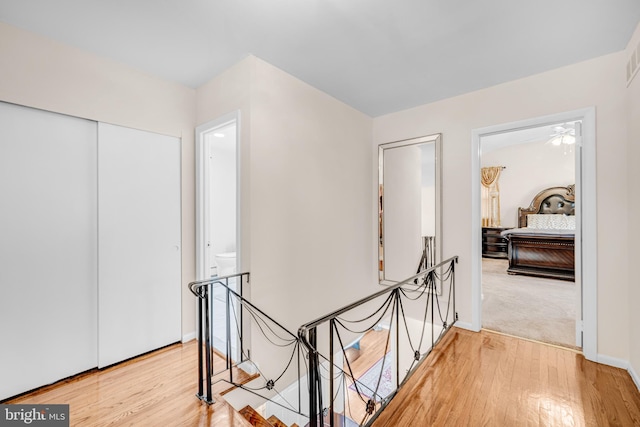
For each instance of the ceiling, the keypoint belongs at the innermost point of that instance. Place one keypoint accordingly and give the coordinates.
(379, 56)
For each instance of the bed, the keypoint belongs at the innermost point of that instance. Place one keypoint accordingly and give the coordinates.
(543, 245)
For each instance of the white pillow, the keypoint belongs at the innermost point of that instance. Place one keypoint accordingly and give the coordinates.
(551, 221)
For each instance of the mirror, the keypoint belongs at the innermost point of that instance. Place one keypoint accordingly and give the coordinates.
(409, 207)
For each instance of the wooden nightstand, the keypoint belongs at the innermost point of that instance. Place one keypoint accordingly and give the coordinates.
(493, 244)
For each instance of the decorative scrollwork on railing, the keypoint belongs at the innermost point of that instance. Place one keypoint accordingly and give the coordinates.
(429, 296)
(373, 346)
(241, 315)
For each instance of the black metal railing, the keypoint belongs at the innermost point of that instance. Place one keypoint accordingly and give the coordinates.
(361, 354)
(225, 316)
(204, 290)
(347, 364)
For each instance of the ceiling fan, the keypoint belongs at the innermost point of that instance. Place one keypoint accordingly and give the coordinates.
(563, 134)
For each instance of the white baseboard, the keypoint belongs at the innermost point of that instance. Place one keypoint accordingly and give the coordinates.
(622, 364)
(189, 336)
(613, 361)
(634, 376)
(467, 326)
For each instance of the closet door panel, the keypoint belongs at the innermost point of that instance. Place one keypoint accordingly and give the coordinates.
(139, 242)
(48, 260)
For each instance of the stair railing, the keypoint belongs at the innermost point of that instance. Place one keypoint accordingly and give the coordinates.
(204, 290)
(405, 321)
(244, 323)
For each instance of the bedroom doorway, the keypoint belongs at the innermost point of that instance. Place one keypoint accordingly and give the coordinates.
(521, 296)
(560, 312)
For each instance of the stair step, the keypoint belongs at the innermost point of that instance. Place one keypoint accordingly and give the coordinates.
(254, 417)
(222, 387)
(276, 422)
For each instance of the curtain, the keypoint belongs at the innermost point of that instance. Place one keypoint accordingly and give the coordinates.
(490, 196)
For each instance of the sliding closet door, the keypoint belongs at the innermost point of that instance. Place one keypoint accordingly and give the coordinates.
(138, 242)
(48, 262)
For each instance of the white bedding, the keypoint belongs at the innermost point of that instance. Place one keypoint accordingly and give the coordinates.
(551, 221)
(538, 231)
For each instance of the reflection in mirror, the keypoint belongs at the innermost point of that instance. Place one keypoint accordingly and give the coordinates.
(409, 222)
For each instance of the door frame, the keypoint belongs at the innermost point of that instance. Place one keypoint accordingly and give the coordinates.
(586, 228)
(202, 193)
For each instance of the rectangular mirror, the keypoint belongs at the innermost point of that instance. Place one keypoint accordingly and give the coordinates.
(409, 207)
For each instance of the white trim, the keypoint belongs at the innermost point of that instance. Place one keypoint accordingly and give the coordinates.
(634, 376)
(466, 325)
(613, 361)
(622, 364)
(588, 206)
(189, 337)
(589, 221)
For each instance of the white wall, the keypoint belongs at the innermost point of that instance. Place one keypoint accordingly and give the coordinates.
(40, 73)
(633, 253)
(598, 82)
(530, 168)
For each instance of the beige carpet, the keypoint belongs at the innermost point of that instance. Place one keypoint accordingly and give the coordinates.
(528, 307)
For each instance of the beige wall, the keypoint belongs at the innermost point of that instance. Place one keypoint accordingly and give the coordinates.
(41, 73)
(310, 195)
(633, 157)
(305, 171)
(306, 191)
(227, 93)
(599, 83)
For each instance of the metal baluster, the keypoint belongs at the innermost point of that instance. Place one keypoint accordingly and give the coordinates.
(331, 408)
(397, 309)
(207, 338)
(228, 324)
(432, 285)
(200, 354)
(313, 365)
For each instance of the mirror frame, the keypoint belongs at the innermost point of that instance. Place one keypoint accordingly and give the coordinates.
(437, 140)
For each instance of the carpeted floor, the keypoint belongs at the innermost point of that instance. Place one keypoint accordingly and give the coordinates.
(528, 307)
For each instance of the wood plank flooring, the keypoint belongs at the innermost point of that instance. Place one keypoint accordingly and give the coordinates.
(488, 379)
(471, 379)
(157, 389)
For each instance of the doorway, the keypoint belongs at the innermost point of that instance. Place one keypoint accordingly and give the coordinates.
(218, 226)
(585, 234)
(528, 288)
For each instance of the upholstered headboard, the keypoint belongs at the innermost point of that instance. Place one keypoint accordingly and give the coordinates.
(554, 200)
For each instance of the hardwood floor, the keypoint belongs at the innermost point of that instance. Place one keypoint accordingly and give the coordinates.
(157, 389)
(488, 379)
(471, 379)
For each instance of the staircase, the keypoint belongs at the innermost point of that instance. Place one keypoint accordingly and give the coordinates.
(307, 381)
(257, 420)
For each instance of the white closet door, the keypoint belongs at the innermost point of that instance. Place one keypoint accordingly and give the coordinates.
(138, 242)
(48, 261)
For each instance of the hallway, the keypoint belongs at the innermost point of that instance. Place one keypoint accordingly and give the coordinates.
(470, 379)
(489, 379)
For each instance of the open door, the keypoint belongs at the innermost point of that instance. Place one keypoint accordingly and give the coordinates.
(218, 225)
